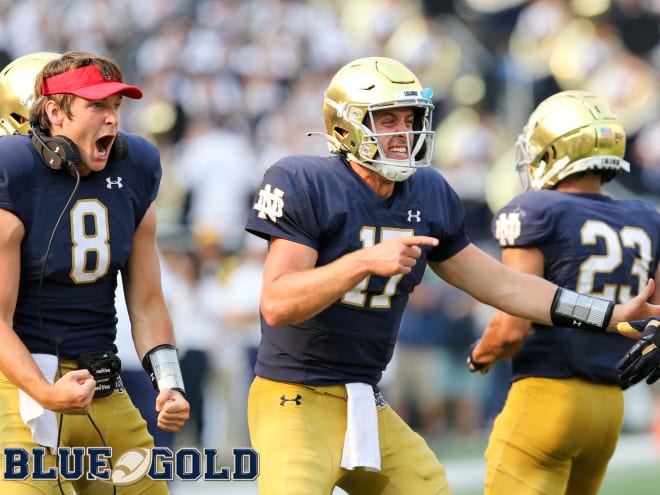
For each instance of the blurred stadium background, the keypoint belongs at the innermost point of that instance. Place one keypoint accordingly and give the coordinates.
(232, 85)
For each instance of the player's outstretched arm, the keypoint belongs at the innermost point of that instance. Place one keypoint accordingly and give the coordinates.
(534, 298)
(290, 270)
(491, 282)
(633, 330)
(638, 308)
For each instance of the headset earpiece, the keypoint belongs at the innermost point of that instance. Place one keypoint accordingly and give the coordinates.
(59, 152)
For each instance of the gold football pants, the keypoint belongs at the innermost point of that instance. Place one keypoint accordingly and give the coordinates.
(116, 417)
(298, 432)
(553, 437)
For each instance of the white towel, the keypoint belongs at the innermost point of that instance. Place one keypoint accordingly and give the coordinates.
(361, 446)
(42, 422)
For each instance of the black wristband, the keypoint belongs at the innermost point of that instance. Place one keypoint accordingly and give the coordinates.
(574, 310)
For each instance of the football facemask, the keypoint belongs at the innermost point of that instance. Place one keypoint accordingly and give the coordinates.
(369, 85)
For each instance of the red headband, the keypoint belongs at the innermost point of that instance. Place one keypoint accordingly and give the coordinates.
(87, 82)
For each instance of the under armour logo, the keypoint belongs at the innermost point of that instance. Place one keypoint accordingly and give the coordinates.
(110, 183)
(417, 215)
(297, 399)
(270, 203)
(577, 324)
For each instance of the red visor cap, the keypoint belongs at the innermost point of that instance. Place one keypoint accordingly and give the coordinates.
(88, 82)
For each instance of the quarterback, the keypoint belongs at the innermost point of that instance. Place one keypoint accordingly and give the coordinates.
(76, 208)
(349, 236)
(563, 414)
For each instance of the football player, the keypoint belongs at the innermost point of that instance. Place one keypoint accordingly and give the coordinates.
(76, 208)
(350, 235)
(563, 414)
(16, 95)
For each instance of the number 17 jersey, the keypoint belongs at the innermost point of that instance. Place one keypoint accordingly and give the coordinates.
(322, 203)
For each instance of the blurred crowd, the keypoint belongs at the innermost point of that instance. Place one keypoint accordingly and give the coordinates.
(232, 85)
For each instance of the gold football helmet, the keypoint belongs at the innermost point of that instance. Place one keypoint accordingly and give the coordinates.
(367, 85)
(570, 132)
(16, 91)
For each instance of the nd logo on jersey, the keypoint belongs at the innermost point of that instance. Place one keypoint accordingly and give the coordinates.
(270, 203)
(507, 228)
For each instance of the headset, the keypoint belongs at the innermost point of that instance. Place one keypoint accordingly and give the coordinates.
(61, 153)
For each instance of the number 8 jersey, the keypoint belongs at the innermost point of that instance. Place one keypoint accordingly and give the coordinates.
(592, 244)
(91, 243)
(322, 203)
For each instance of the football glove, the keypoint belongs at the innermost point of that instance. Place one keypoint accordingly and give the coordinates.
(475, 367)
(643, 358)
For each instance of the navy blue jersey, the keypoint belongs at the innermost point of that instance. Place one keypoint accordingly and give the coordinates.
(91, 243)
(322, 203)
(592, 244)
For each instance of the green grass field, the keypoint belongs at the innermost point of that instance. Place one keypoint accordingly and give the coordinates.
(643, 480)
(634, 481)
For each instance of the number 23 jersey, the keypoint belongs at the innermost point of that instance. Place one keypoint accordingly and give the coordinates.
(322, 203)
(593, 244)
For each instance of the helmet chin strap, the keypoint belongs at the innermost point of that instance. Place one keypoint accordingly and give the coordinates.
(389, 172)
